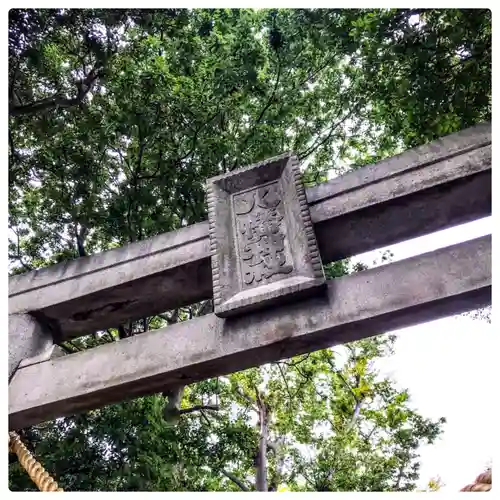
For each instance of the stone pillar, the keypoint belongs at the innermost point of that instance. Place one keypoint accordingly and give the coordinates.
(27, 338)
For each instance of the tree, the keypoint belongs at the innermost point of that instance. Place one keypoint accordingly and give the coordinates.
(116, 118)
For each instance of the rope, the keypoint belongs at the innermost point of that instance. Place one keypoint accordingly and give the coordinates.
(482, 483)
(44, 482)
(34, 469)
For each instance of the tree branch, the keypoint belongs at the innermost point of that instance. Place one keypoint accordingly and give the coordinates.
(235, 480)
(120, 154)
(205, 308)
(316, 72)
(20, 259)
(308, 480)
(112, 339)
(18, 256)
(195, 137)
(305, 358)
(246, 397)
(172, 319)
(342, 378)
(202, 413)
(355, 415)
(305, 380)
(317, 145)
(369, 435)
(400, 476)
(56, 101)
(280, 463)
(286, 382)
(262, 113)
(122, 332)
(13, 151)
(132, 196)
(80, 239)
(185, 411)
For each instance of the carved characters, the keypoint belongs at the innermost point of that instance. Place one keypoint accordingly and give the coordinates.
(260, 234)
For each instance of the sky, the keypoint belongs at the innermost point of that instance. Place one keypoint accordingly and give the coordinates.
(446, 365)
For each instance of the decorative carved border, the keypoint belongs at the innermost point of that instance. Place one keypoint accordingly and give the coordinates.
(309, 228)
(256, 165)
(213, 246)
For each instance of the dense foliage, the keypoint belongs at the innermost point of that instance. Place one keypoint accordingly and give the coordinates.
(116, 118)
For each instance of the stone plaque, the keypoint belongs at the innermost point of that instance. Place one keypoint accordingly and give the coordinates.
(262, 240)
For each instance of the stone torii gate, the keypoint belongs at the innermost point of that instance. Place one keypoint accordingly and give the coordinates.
(260, 257)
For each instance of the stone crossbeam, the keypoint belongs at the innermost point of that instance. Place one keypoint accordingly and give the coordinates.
(441, 184)
(423, 288)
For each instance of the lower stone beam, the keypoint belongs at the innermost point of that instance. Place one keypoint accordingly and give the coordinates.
(423, 288)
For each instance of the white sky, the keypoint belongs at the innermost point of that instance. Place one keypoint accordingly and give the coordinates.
(448, 374)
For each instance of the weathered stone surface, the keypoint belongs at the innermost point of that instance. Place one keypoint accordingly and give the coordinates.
(103, 290)
(437, 284)
(27, 338)
(262, 240)
(426, 189)
(53, 351)
(386, 203)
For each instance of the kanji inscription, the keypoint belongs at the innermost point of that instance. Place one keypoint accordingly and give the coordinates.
(262, 242)
(261, 235)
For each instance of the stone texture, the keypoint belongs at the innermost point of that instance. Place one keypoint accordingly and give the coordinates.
(51, 352)
(27, 339)
(387, 209)
(106, 289)
(262, 240)
(423, 288)
(426, 189)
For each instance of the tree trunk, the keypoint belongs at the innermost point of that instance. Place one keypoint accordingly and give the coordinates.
(275, 481)
(355, 414)
(261, 479)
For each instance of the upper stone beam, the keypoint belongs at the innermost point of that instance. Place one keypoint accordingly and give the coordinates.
(432, 187)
